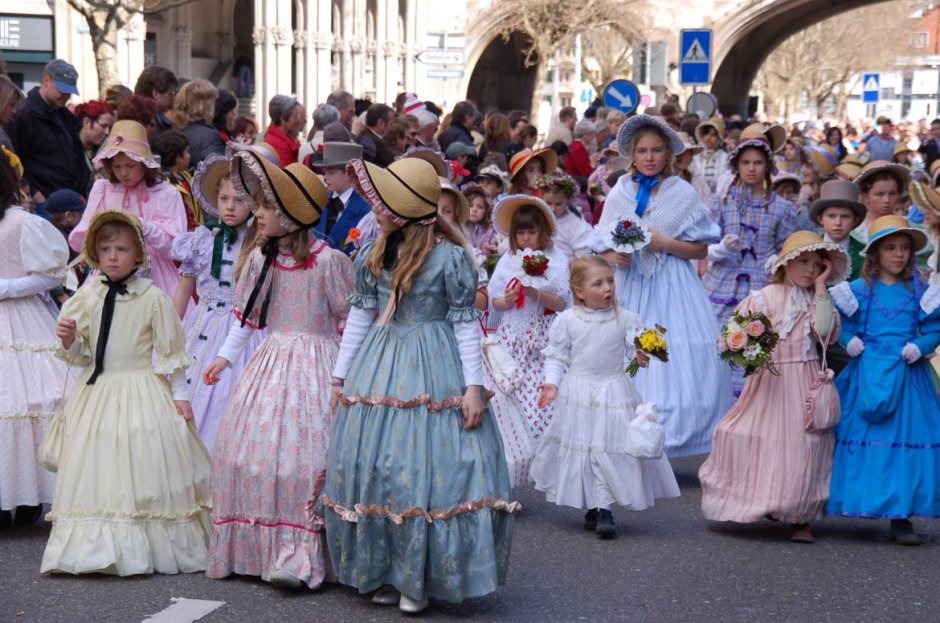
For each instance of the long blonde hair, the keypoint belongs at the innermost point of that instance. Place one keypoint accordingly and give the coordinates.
(195, 101)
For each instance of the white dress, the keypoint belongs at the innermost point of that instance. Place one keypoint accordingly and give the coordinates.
(692, 391)
(583, 460)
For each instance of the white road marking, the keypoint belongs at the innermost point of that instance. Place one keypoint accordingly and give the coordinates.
(184, 611)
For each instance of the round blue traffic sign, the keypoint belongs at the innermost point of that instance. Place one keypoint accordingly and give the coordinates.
(622, 95)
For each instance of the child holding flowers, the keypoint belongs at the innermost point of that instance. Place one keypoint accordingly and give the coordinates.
(771, 455)
(587, 458)
(528, 286)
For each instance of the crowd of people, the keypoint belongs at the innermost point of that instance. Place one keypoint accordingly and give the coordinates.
(333, 356)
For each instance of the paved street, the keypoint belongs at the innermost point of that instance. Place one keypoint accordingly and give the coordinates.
(666, 565)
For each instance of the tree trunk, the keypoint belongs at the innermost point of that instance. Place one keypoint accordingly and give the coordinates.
(539, 89)
(103, 43)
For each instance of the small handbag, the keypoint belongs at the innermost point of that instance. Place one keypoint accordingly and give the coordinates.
(822, 409)
(50, 450)
(499, 363)
(646, 438)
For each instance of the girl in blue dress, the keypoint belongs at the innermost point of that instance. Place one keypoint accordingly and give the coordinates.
(887, 457)
(417, 491)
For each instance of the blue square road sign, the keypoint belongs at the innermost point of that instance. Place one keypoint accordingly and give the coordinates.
(695, 56)
(871, 88)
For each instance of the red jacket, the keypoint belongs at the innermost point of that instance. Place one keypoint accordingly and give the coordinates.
(578, 161)
(285, 146)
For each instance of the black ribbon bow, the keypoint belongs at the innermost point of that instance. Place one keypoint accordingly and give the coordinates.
(225, 238)
(269, 250)
(118, 286)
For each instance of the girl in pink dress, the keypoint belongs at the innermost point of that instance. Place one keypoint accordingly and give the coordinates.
(134, 185)
(764, 462)
(271, 448)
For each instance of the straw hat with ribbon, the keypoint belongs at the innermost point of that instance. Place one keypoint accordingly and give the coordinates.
(206, 182)
(821, 159)
(691, 147)
(631, 126)
(507, 208)
(899, 172)
(803, 241)
(926, 198)
(769, 138)
(893, 224)
(406, 191)
(296, 193)
(521, 158)
(838, 194)
(463, 205)
(715, 122)
(128, 138)
(99, 220)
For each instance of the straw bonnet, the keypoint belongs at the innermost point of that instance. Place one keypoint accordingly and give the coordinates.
(767, 137)
(493, 172)
(822, 159)
(297, 194)
(407, 191)
(894, 224)
(900, 173)
(852, 165)
(507, 208)
(926, 198)
(786, 176)
(690, 146)
(715, 122)
(129, 138)
(631, 126)
(99, 220)
(337, 155)
(261, 148)
(463, 205)
(434, 158)
(521, 158)
(838, 194)
(902, 148)
(800, 242)
(206, 181)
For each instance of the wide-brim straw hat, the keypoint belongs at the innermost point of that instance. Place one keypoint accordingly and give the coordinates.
(786, 176)
(800, 242)
(129, 138)
(209, 174)
(902, 148)
(631, 126)
(900, 173)
(838, 194)
(689, 145)
(407, 191)
(261, 148)
(435, 158)
(715, 122)
(508, 206)
(852, 165)
(893, 224)
(926, 198)
(521, 158)
(935, 173)
(769, 138)
(99, 220)
(822, 159)
(297, 193)
(463, 205)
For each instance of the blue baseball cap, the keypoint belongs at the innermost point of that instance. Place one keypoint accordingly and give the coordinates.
(65, 200)
(64, 75)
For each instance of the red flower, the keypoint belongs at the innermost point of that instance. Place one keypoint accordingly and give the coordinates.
(535, 265)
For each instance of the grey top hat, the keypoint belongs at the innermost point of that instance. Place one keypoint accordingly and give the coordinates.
(337, 155)
(838, 193)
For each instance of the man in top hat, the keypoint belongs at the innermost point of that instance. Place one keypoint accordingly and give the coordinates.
(345, 208)
(45, 135)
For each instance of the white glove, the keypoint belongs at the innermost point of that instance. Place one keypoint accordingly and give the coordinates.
(855, 347)
(721, 251)
(911, 353)
(732, 243)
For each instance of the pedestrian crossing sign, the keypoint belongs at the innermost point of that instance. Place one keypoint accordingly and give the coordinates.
(695, 56)
(871, 88)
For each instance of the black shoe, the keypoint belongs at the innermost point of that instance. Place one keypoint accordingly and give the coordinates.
(6, 520)
(590, 520)
(605, 524)
(903, 532)
(27, 515)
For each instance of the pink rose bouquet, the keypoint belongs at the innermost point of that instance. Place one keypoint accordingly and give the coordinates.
(748, 341)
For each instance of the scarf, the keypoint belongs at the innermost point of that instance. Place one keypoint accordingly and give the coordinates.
(645, 185)
(118, 286)
(224, 239)
(269, 251)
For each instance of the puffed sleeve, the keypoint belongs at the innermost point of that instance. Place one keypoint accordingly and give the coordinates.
(169, 340)
(164, 218)
(193, 250)
(43, 248)
(339, 278)
(559, 339)
(77, 309)
(846, 303)
(94, 205)
(366, 294)
(929, 337)
(460, 284)
(702, 229)
(246, 283)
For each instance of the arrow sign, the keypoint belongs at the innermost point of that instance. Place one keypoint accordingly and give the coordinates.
(441, 57)
(622, 95)
(695, 57)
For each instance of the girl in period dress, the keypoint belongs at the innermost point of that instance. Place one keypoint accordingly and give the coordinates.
(584, 459)
(417, 493)
(270, 453)
(528, 303)
(33, 257)
(479, 228)
(693, 390)
(880, 185)
(573, 235)
(134, 186)
(764, 462)
(683, 166)
(887, 457)
(207, 258)
(132, 494)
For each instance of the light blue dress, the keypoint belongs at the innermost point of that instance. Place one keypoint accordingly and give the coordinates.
(692, 391)
(412, 499)
(887, 457)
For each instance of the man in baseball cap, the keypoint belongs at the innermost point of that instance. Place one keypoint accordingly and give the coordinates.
(63, 75)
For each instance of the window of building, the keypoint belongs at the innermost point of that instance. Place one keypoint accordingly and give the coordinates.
(919, 40)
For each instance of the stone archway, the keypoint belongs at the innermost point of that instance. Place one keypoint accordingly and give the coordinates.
(500, 79)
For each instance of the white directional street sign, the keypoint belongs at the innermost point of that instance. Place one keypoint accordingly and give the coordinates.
(445, 73)
(441, 57)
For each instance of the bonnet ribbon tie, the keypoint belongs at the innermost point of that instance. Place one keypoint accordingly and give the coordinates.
(224, 239)
(118, 286)
(269, 250)
(645, 185)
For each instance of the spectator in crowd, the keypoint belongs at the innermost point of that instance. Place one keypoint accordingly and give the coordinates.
(10, 98)
(881, 146)
(226, 114)
(497, 136)
(670, 114)
(528, 136)
(834, 139)
(412, 122)
(246, 130)
(287, 120)
(97, 117)
(396, 138)
(562, 151)
(428, 124)
(462, 119)
(578, 162)
(45, 135)
(139, 109)
(115, 94)
(158, 84)
(378, 119)
(323, 115)
(929, 149)
(173, 149)
(563, 130)
(193, 111)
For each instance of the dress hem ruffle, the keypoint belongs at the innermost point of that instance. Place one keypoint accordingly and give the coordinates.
(362, 510)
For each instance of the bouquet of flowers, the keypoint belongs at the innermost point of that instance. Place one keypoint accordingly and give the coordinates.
(748, 341)
(492, 259)
(651, 342)
(531, 273)
(629, 237)
(534, 263)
